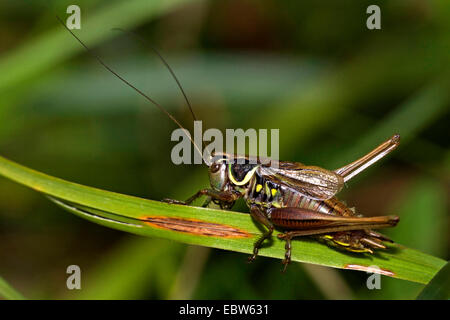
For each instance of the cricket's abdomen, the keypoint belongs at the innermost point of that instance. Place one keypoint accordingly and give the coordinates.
(292, 198)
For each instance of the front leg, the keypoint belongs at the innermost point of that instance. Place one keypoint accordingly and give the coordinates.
(224, 197)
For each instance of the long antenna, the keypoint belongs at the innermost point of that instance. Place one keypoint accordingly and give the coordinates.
(128, 83)
(165, 63)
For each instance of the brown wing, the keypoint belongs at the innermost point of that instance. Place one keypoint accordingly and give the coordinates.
(314, 182)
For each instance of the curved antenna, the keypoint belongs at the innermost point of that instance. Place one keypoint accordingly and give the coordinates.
(128, 83)
(164, 62)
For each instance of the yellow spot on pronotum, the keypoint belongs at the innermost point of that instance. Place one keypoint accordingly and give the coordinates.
(274, 192)
(258, 188)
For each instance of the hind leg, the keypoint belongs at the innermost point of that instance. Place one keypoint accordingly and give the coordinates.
(354, 241)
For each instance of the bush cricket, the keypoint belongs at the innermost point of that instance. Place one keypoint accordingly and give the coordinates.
(297, 199)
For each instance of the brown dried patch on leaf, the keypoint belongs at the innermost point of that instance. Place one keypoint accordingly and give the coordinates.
(370, 269)
(194, 226)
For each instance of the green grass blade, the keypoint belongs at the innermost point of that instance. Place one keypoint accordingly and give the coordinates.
(8, 292)
(439, 287)
(210, 227)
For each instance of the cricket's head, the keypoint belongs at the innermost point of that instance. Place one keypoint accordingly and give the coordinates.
(228, 171)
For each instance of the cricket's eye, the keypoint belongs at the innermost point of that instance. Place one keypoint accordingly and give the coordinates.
(215, 167)
(217, 175)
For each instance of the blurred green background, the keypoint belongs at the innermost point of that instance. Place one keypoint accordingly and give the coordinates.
(312, 69)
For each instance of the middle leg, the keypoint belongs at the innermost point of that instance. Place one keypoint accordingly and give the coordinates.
(259, 215)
